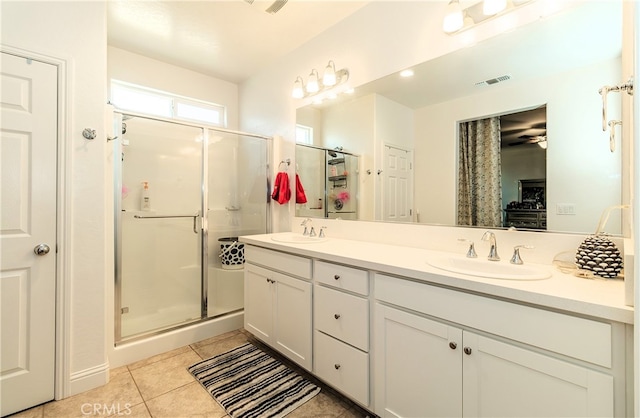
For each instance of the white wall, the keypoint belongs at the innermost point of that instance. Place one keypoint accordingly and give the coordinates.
(137, 69)
(76, 33)
(573, 129)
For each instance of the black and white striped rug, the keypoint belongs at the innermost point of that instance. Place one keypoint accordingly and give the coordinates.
(249, 383)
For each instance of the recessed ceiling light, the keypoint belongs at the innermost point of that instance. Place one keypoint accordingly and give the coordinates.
(406, 73)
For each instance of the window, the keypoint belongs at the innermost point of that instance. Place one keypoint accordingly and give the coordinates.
(125, 96)
(304, 134)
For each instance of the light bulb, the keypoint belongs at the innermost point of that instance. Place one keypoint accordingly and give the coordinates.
(329, 77)
(453, 17)
(298, 88)
(492, 7)
(313, 85)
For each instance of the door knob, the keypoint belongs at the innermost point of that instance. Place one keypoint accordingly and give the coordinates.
(41, 249)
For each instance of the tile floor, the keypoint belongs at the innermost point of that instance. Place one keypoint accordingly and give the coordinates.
(161, 386)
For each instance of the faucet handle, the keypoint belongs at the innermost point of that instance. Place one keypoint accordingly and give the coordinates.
(516, 259)
(322, 235)
(471, 252)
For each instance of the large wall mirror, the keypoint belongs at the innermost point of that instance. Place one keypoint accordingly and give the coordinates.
(540, 81)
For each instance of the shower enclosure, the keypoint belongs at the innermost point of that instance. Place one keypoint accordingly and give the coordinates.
(184, 193)
(330, 178)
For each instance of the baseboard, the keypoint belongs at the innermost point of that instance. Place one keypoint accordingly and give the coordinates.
(88, 379)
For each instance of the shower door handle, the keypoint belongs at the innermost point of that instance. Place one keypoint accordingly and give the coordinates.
(195, 219)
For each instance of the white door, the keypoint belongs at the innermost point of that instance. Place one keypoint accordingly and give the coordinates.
(501, 380)
(418, 366)
(28, 149)
(397, 184)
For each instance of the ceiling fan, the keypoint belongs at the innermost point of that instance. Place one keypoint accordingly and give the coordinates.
(274, 7)
(529, 139)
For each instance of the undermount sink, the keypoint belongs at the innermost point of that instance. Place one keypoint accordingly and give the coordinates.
(490, 269)
(297, 239)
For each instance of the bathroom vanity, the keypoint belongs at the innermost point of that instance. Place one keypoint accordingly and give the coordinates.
(403, 338)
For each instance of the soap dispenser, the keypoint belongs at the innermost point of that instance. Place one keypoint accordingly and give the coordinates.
(145, 200)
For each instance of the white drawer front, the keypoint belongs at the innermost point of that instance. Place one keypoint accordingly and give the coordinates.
(342, 277)
(579, 338)
(342, 315)
(286, 263)
(342, 366)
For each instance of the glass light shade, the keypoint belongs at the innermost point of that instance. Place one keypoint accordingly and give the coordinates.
(298, 89)
(453, 17)
(313, 85)
(492, 7)
(329, 77)
(543, 144)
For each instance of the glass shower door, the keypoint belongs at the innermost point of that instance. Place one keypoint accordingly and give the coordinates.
(160, 226)
(236, 205)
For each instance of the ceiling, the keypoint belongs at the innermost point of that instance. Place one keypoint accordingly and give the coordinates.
(227, 39)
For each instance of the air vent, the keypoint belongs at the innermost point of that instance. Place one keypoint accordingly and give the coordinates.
(493, 80)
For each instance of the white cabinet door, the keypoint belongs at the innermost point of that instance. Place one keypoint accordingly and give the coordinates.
(504, 380)
(277, 310)
(293, 319)
(258, 302)
(418, 366)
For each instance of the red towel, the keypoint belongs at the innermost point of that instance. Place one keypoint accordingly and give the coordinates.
(300, 196)
(281, 191)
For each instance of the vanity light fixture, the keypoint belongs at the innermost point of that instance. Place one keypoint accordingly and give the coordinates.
(313, 85)
(492, 7)
(457, 19)
(316, 85)
(453, 17)
(298, 88)
(542, 143)
(329, 76)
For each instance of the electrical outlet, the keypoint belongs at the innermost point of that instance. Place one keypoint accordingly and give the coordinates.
(565, 209)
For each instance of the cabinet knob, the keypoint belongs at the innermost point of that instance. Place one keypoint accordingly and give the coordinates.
(336, 316)
(467, 350)
(337, 366)
(336, 276)
(453, 345)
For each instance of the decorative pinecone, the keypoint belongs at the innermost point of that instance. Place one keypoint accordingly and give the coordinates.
(600, 255)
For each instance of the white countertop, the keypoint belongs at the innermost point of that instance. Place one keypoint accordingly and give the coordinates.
(598, 298)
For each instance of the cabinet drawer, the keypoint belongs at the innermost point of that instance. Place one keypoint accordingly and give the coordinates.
(342, 366)
(342, 277)
(572, 336)
(276, 260)
(342, 315)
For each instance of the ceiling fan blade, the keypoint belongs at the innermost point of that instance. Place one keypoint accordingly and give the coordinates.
(276, 6)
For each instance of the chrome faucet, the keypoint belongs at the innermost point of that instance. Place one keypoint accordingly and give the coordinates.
(493, 251)
(516, 259)
(306, 230)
